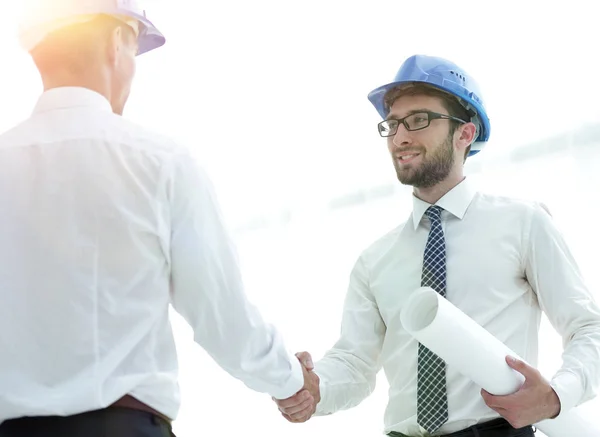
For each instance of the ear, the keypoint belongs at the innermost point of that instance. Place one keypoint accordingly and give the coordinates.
(465, 135)
(115, 45)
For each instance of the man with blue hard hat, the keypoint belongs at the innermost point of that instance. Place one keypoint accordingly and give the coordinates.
(104, 224)
(501, 261)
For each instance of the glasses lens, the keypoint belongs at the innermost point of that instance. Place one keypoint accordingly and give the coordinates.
(417, 121)
(387, 128)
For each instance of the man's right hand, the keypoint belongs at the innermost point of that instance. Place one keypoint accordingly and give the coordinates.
(300, 407)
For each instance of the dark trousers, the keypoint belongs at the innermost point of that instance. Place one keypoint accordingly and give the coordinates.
(493, 428)
(110, 422)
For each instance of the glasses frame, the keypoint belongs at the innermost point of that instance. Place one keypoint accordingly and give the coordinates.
(430, 117)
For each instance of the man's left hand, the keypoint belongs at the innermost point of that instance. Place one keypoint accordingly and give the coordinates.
(535, 401)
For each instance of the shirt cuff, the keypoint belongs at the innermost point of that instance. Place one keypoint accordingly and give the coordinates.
(294, 383)
(569, 390)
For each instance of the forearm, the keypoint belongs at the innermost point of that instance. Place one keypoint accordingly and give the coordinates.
(345, 382)
(564, 297)
(578, 378)
(236, 336)
(208, 291)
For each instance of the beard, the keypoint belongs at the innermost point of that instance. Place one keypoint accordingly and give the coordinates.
(433, 169)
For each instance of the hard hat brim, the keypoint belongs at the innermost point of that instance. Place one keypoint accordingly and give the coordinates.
(150, 37)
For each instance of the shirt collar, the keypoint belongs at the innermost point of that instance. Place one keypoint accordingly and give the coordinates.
(456, 202)
(71, 97)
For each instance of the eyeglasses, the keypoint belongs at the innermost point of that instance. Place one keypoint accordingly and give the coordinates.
(412, 122)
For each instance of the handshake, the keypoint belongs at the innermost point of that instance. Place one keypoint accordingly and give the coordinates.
(300, 407)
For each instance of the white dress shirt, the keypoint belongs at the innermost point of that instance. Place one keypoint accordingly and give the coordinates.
(103, 224)
(506, 262)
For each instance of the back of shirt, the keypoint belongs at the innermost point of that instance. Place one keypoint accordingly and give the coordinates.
(99, 221)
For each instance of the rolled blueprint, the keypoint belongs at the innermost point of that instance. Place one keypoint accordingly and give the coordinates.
(463, 343)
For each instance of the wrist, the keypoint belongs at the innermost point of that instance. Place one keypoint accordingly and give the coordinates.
(316, 392)
(553, 403)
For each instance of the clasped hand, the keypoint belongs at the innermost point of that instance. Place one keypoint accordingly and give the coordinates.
(300, 407)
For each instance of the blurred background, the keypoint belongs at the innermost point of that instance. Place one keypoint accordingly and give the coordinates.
(271, 98)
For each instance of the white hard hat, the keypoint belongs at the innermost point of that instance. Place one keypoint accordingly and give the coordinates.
(42, 17)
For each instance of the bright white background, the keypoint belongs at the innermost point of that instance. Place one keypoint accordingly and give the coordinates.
(252, 87)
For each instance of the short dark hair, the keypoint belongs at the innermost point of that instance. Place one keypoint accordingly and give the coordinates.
(450, 103)
(71, 47)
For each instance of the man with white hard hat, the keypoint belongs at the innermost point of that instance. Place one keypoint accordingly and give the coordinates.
(103, 225)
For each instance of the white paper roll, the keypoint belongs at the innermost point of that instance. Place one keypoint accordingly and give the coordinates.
(464, 344)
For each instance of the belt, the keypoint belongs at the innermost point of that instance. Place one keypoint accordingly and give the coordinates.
(478, 430)
(132, 403)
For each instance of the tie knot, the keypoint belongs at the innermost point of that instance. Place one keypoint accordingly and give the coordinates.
(434, 213)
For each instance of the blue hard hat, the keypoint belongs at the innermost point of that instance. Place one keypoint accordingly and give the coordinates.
(447, 76)
(44, 16)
